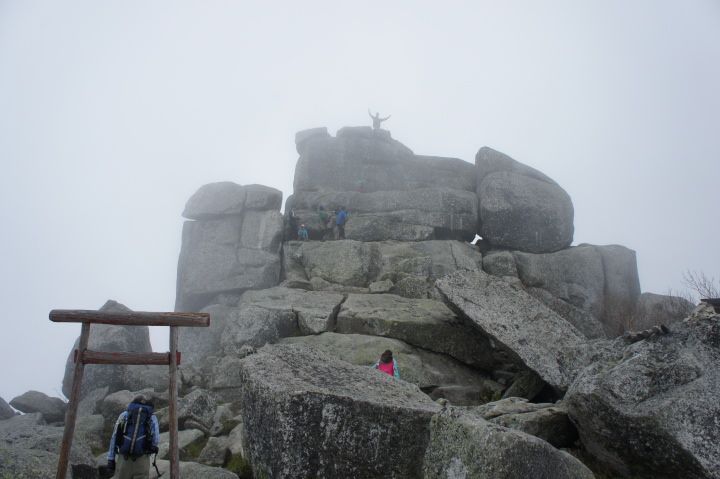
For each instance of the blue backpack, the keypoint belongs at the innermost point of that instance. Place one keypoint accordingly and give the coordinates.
(134, 435)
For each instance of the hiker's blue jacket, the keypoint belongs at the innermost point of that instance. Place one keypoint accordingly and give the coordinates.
(342, 217)
(120, 420)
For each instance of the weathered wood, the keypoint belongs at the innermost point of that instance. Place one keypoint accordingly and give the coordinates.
(71, 413)
(174, 452)
(130, 318)
(127, 357)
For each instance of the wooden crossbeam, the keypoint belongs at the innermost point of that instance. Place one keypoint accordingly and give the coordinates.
(130, 318)
(125, 357)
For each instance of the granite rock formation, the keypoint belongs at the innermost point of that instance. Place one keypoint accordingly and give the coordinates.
(650, 408)
(488, 336)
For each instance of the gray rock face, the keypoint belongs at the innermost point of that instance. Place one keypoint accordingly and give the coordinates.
(533, 334)
(347, 263)
(546, 421)
(410, 268)
(425, 323)
(437, 374)
(221, 256)
(6, 412)
(30, 463)
(574, 275)
(29, 436)
(233, 246)
(519, 207)
(217, 200)
(193, 470)
(106, 337)
(315, 311)
(463, 445)
(593, 287)
(52, 409)
(654, 309)
(650, 408)
(621, 281)
(403, 215)
(390, 193)
(310, 415)
(197, 406)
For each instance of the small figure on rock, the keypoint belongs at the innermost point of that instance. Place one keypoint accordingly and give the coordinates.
(360, 186)
(324, 217)
(342, 218)
(377, 120)
(302, 234)
(387, 364)
(135, 437)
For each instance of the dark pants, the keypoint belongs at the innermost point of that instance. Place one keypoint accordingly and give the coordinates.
(341, 231)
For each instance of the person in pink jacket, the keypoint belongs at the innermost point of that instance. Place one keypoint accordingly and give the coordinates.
(387, 364)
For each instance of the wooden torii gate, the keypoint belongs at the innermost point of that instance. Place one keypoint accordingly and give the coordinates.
(84, 356)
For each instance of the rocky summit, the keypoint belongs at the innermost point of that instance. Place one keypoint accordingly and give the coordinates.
(508, 341)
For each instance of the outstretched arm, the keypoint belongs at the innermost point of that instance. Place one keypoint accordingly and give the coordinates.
(370, 113)
(386, 118)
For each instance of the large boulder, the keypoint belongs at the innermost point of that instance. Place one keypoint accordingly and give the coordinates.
(519, 207)
(654, 309)
(436, 374)
(574, 276)
(52, 409)
(549, 422)
(463, 444)
(307, 414)
(390, 192)
(30, 433)
(385, 164)
(424, 323)
(621, 282)
(6, 412)
(223, 199)
(233, 246)
(261, 317)
(528, 331)
(403, 215)
(108, 337)
(314, 311)
(346, 263)
(650, 408)
(30, 463)
(407, 269)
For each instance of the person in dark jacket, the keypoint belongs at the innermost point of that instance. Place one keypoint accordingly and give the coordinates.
(342, 218)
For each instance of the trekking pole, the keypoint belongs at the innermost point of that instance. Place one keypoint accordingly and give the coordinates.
(155, 466)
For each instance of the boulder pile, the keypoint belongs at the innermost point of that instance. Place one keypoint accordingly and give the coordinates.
(508, 339)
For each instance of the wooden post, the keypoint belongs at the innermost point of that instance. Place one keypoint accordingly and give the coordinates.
(84, 356)
(71, 413)
(174, 453)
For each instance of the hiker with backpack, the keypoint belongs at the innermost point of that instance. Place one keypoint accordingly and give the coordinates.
(135, 437)
(387, 364)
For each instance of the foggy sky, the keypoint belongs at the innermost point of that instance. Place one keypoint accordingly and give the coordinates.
(112, 114)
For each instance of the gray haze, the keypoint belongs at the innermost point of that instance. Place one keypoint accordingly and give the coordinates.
(112, 114)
